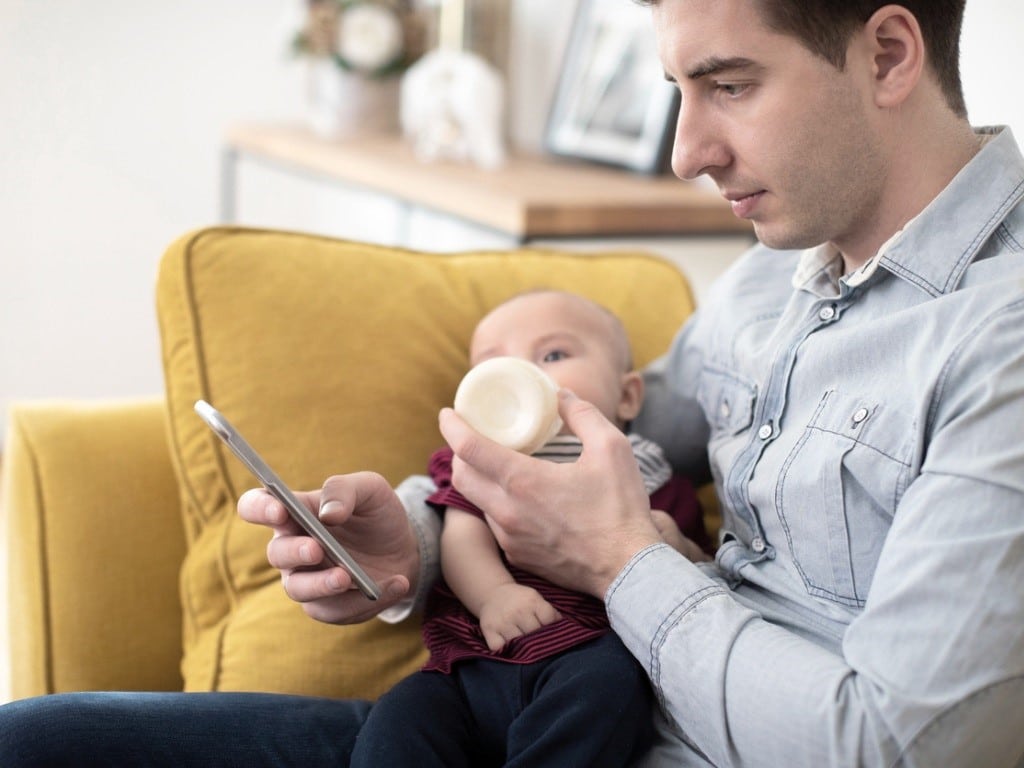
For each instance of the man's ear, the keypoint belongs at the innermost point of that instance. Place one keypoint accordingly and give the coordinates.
(632, 396)
(897, 48)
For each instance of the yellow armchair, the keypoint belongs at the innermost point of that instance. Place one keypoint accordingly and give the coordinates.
(128, 567)
(94, 544)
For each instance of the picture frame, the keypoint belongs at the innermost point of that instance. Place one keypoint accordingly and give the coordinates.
(612, 104)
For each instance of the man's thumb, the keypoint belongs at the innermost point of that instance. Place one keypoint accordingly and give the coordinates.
(581, 417)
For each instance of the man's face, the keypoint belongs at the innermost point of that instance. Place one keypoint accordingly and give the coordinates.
(790, 140)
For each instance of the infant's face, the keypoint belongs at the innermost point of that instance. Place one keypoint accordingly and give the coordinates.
(573, 341)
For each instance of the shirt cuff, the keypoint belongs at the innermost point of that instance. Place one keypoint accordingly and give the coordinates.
(652, 594)
(426, 524)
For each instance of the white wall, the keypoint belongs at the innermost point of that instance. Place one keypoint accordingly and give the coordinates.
(109, 142)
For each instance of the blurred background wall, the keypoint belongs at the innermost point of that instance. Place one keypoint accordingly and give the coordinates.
(111, 115)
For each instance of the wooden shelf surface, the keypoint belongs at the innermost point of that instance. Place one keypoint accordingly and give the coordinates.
(531, 196)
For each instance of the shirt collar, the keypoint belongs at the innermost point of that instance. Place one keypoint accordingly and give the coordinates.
(869, 267)
(819, 270)
(933, 249)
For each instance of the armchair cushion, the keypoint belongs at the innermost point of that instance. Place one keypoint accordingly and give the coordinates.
(330, 357)
(94, 546)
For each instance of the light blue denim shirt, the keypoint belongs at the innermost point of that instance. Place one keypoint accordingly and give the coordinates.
(866, 436)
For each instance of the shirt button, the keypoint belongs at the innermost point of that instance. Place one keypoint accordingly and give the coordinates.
(860, 415)
(765, 431)
(827, 313)
(757, 544)
(724, 410)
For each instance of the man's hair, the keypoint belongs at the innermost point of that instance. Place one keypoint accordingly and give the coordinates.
(825, 27)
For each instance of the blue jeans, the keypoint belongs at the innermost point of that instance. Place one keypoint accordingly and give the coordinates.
(178, 729)
(589, 706)
(596, 710)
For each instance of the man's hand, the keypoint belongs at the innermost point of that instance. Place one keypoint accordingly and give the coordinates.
(364, 514)
(513, 610)
(574, 524)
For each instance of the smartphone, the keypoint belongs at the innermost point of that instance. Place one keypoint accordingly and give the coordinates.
(310, 523)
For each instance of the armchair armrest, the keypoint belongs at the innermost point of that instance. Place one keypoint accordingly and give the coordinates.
(94, 544)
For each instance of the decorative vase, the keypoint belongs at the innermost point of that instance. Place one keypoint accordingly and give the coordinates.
(480, 27)
(343, 104)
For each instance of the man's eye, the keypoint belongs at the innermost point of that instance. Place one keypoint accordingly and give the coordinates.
(731, 89)
(554, 356)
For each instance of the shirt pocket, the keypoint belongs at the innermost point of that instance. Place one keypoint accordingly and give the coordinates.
(728, 402)
(838, 490)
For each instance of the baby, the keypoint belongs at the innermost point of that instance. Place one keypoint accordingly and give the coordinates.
(522, 671)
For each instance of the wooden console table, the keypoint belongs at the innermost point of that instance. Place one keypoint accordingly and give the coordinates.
(531, 197)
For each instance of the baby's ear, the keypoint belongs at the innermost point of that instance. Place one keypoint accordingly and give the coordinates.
(632, 396)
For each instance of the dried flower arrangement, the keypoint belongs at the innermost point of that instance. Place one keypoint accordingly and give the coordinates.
(373, 38)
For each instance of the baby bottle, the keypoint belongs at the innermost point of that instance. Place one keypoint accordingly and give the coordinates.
(511, 401)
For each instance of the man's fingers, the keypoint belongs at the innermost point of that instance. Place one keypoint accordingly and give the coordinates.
(258, 506)
(584, 419)
(304, 586)
(342, 494)
(288, 552)
(330, 596)
(486, 456)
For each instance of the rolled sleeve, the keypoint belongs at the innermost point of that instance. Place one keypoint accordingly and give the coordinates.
(413, 493)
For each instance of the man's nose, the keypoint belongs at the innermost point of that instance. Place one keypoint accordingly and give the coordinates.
(699, 146)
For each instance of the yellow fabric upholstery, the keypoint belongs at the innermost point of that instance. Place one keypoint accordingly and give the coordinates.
(94, 546)
(329, 356)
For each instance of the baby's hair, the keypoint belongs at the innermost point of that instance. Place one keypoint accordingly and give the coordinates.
(619, 335)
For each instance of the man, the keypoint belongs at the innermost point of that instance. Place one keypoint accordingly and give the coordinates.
(854, 386)
(861, 403)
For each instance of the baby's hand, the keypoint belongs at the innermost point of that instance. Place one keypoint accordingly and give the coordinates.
(513, 610)
(672, 536)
